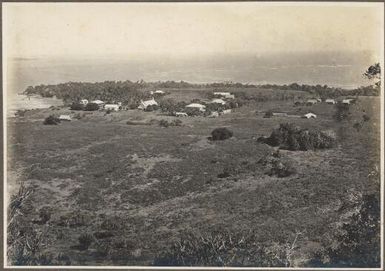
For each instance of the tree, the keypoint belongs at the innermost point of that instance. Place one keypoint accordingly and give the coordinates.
(374, 72)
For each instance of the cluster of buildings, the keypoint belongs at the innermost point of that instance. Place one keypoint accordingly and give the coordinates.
(329, 101)
(220, 98)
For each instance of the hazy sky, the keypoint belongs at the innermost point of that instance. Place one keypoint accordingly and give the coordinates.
(175, 29)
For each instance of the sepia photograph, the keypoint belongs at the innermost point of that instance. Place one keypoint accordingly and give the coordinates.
(191, 135)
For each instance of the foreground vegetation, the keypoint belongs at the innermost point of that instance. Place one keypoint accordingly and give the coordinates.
(145, 188)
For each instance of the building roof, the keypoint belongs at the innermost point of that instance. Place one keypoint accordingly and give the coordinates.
(196, 105)
(222, 93)
(65, 117)
(111, 105)
(144, 104)
(218, 101)
(97, 102)
(309, 115)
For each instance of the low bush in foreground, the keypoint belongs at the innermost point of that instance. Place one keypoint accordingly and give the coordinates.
(225, 249)
(165, 123)
(51, 120)
(221, 134)
(290, 137)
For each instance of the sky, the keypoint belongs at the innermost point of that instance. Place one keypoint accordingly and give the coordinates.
(33, 30)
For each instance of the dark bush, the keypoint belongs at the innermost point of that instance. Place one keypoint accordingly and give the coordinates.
(51, 120)
(291, 137)
(221, 134)
(103, 234)
(91, 107)
(365, 117)
(224, 174)
(221, 248)
(164, 123)
(108, 224)
(268, 114)
(85, 240)
(176, 123)
(151, 108)
(45, 214)
(342, 112)
(357, 126)
(77, 106)
(281, 169)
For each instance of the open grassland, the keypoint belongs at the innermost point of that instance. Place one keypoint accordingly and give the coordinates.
(138, 188)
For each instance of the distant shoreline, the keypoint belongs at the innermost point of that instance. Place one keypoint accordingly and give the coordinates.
(29, 102)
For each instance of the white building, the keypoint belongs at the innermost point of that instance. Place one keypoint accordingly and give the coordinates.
(310, 116)
(112, 107)
(65, 117)
(218, 101)
(347, 101)
(144, 104)
(181, 114)
(201, 107)
(83, 101)
(311, 101)
(226, 111)
(214, 114)
(330, 101)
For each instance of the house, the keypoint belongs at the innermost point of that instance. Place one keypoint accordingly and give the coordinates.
(226, 111)
(226, 95)
(347, 101)
(83, 101)
(330, 101)
(319, 100)
(214, 114)
(99, 103)
(158, 92)
(112, 107)
(310, 116)
(181, 114)
(144, 104)
(218, 101)
(65, 118)
(311, 101)
(201, 107)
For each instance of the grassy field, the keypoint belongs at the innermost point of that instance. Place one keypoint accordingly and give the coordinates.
(137, 189)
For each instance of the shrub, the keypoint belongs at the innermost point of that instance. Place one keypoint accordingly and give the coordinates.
(45, 214)
(109, 225)
(103, 234)
(164, 123)
(365, 117)
(91, 107)
(342, 112)
(221, 134)
(222, 248)
(176, 123)
(77, 106)
(51, 120)
(281, 169)
(357, 126)
(85, 240)
(151, 108)
(268, 114)
(293, 138)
